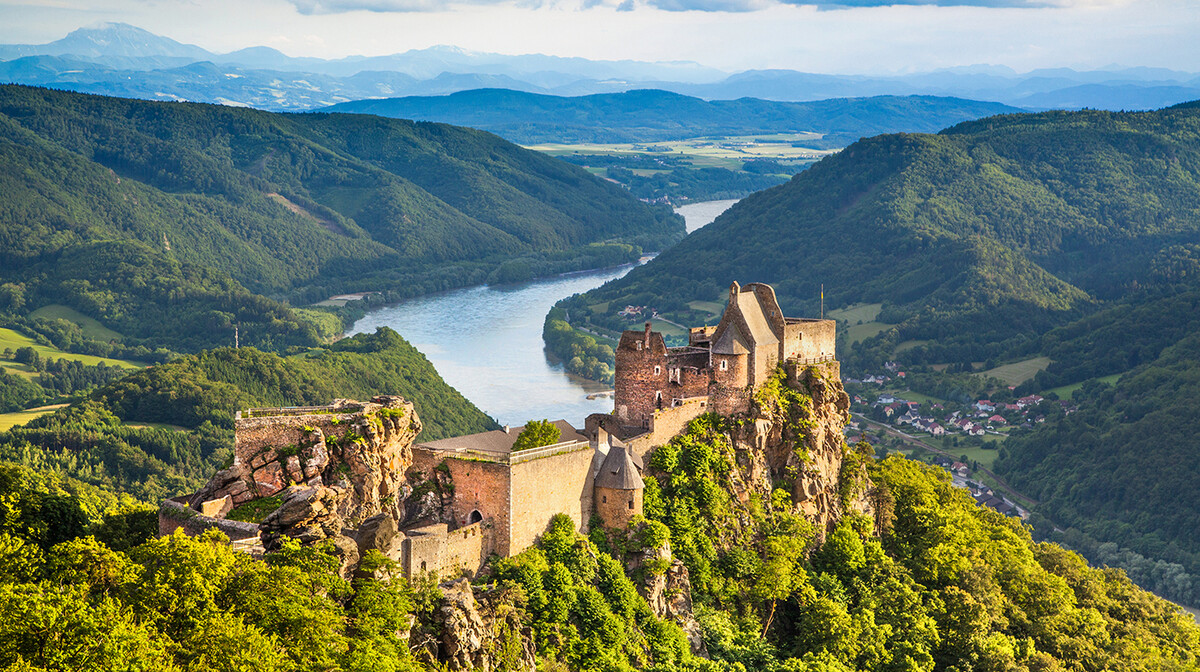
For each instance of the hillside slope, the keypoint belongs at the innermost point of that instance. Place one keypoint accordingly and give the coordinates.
(650, 115)
(991, 229)
(226, 200)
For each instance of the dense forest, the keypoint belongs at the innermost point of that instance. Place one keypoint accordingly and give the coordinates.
(931, 583)
(171, 223)
(165, 430)
(649, 115)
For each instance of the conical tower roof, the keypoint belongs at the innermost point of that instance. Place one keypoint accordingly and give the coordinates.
(619, 472)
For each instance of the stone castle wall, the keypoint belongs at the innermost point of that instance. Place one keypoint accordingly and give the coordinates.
(617, 507)
(479, 486)
(449, 553)
(545, 486)
(666, 423)
(635, 382)
(175, 514)
(810, 340)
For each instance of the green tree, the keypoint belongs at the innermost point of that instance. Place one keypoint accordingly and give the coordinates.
(537, 433)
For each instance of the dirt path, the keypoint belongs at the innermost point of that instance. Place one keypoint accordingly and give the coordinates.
(1021, 499)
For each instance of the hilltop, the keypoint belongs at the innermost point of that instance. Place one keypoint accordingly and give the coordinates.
(653, 115)
(169, 223)
(1062, 236)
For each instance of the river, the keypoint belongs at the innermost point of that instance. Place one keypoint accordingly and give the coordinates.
(486, 341)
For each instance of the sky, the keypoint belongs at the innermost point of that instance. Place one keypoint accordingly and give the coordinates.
(843, 36)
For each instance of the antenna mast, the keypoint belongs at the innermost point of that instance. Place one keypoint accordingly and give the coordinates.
(822, 300)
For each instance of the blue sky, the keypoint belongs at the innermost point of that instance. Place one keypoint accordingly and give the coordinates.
(840, 36)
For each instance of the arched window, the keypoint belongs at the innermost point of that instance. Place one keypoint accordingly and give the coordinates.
(475, 517)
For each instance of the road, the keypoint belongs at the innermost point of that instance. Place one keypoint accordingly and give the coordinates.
(1023, 500)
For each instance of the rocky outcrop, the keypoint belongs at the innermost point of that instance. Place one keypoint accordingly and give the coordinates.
(363, 448)
(669, 592)
(801, 448)
(474, 631)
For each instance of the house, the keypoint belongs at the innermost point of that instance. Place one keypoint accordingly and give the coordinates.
(985, 405)
(997, 420)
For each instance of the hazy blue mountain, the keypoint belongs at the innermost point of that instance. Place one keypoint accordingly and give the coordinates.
(654, 115)
(126, 60)
(102, 40)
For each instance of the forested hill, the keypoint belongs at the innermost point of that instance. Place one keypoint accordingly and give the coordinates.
(134, 212)
(988, 230)
(648, 115)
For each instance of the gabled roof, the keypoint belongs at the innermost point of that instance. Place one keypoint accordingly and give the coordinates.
(752, 311)
(731, 342)
(619, 472)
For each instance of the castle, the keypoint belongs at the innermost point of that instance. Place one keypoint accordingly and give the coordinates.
(468, 497)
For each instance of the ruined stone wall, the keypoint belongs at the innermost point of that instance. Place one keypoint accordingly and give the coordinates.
(449, 553)
(636, 383)
(545, 486)
(478, 486)
(668, 422)
(730, 392)
(691, 382)
(617, 507)
(365, 447)
(810, 339)
(174, 514)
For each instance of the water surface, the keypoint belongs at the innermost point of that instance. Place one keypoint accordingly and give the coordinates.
(486, 341)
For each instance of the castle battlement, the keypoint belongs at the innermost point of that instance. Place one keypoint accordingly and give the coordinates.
(724, 364)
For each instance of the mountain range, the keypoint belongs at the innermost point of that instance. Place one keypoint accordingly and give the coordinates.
(119, 59)
(648, 115)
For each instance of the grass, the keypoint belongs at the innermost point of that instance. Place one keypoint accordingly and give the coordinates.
(1018, 372)
(667, 328)
(156, 425)
(1065, 391)
(711, 307)
(859, 332)
(859, 312)
(984, 456)
(909, 345)
(255, 510)
(10, 420)
(14, 340)
(708, 152)
(90, 327)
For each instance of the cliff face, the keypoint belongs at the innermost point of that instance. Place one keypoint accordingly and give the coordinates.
(359, 451)
(792, 438)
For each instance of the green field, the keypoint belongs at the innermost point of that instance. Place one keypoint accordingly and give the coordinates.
(91, 328)
(1065, 391)
(667, 329)
(709, 152)
(858, 332)
(10, 420)
(12, 339)
(1018, 372)
(712, 307)
(983, 456)
(859, 312)
(909, 345)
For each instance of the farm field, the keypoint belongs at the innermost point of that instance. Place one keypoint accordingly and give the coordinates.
(10, 420)
(1065, 391)
(91, 328)
(709, 152)
(1018, 372)
(12, 339)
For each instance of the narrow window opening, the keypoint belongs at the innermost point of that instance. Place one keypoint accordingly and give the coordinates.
(631, 503)
(724, 365)
(657, 370)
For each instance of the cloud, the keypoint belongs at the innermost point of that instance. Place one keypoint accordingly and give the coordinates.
(310, 7)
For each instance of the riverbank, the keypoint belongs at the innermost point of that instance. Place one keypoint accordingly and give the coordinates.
(486, 340)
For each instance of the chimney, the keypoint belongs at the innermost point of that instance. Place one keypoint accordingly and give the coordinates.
(647, 334)
(506, 428)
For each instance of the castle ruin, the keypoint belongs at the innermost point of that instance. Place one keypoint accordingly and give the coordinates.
(353, 473)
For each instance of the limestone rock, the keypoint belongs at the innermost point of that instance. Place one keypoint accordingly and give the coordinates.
(669, 593)
(472, 627)
(308, 514)
(379, 532)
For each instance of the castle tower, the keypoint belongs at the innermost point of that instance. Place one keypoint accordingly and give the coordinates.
(618, 489)
(641, 376)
